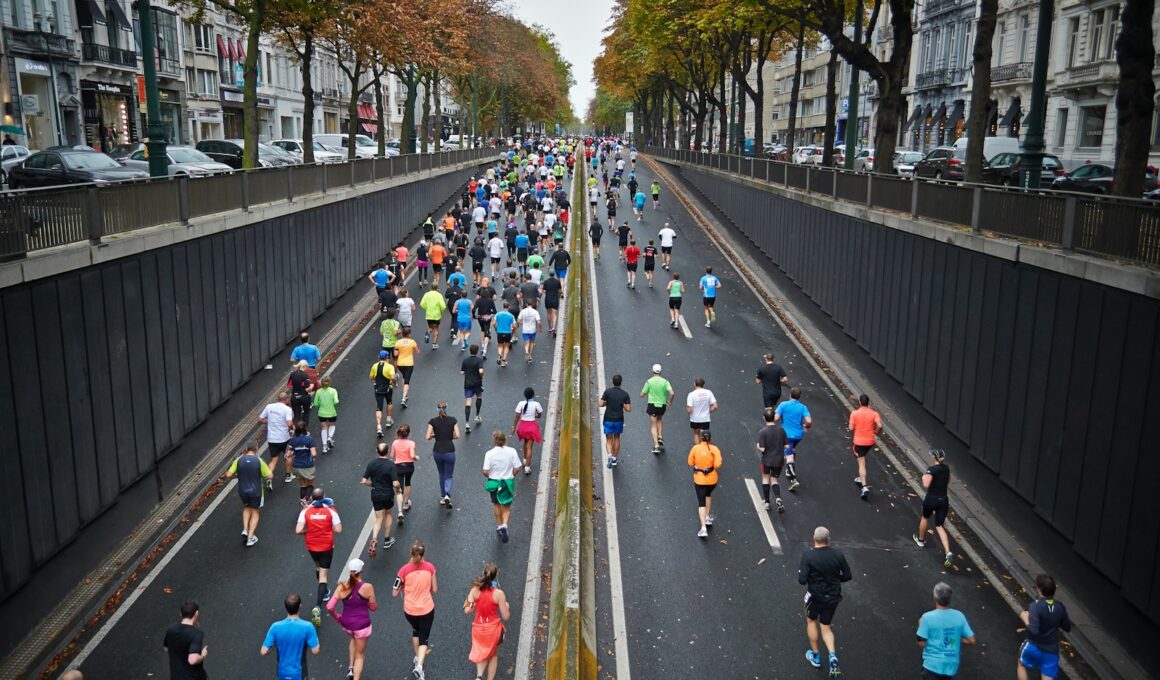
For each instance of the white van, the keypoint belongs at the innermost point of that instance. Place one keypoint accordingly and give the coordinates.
(992, 146)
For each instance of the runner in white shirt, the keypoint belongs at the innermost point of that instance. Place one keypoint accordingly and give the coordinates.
(547, 205)
(406, 306)
(479, 215)
(620, 165)
(700, 404)
(500, 465)
(495, 250)
(666, 235)
(279, 420)
(529, 320)
(593, 197)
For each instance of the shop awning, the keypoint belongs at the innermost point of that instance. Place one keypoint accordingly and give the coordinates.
(89, 13)
(233, 45)
(367, 112)
(241, 49)
(223, 51)
(370, 128)
(1012, 112)
(119, 14)
(912, 120)
(956, 114)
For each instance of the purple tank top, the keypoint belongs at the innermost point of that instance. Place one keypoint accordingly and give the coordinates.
(356, 613)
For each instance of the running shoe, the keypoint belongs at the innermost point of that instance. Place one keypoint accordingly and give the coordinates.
(403, 403)
(463, 346)
(401, 518)
(948, 563)
(918, 541)
(835, 671)
(498, 361)
(709, 520)
(707, 324)
(270, 484)
(468, 428)
(418, 673)
(407, 505)
(251, 541)
(766, 505)
(434, 347)
(611, 462)
(865, 493)
(245, 534)
(379, 432)
(326, 597)
(703, 533)
(390, 422)
(794, 484)
(373, 549)
(350, 672)
(427, 337)
(814, 658)
(288, 478)
(316, 617)
(780, 506)
(478, 418)
(503, 534)
(857, 481)
(660, 442)
(445, 501)
(388, 542)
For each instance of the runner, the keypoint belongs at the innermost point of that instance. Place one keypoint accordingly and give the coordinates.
(525, 427)
(822, 571)
(595, 232)
(463, 310)
(442, 430)
(318, 523)
(535, 268)
(772, 445)
(406, 307)
(495, 251)
(185, 645)
(251, 472)
(500, 465)
(416, 580)
(438, 254)
(623, 234)
(700, 403)
(638, 200)
(1044, 619)
(306, 351)
(301, 390)
(771, 377)
(941, 634)
(472, 371)
(484, 312)
(795, 420)
(380, 277)
(615, 402)
(487, 630)
(865, 423)
(505, 323)
(422, 253)
(631, 259)
(659, 395)
(358, 601)
(433, 305)
(667, 236)
(935, 480)
(529, 319)
(406, 348)
(705, 459)
(656, 194)
(290, 637)
(304, 453)
(650, 261)
(523, 245)
(278, 418)
(382, 477)
(709, 285)
(383, 376)
(676, 289)
(552, 287)
(326, 401)
(403, 453)
(560, 260)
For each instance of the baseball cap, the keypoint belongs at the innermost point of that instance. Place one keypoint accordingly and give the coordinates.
(383, 354)
(656, 368)
(355, 566)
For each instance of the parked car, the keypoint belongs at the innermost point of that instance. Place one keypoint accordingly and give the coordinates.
(69, 166)
(11, 155)
(364, 147)
(864, 161)
(229, 151)
(992, 146)
(1007, 168)
(1097, 178)
(803, 153)
(322, 152)
(1153, 195)
(184, 161)
(904, 162)
(944, 162)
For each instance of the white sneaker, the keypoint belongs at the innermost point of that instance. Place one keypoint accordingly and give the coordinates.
(709, 520)
(706, 324)
(251, 541)
(703, 533)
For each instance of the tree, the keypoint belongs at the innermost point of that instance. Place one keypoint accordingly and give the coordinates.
(980, 88)
(296, 24)
(1135, 97)
(795, 90)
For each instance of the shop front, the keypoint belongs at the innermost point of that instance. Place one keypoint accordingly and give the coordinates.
(232, 114)
(204, 124)
(171, 117)
(39, 113)
(110, 114)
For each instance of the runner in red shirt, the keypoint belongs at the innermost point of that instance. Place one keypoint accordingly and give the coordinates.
(865, 423)
(318, 523)
(631, 256)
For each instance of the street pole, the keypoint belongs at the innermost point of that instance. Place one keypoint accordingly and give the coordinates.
(852, 97)
(154, 130)
(474, 106)
(1033, 142)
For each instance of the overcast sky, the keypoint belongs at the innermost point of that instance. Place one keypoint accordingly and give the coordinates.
(578, 27)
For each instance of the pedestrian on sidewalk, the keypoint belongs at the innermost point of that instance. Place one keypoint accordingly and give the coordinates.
(443, 430)
(382, 477)
(291, 637)
(615, 402)
(822, 571)
(185, 645)
(936, 504)
(491, 609)
(705, 459)
(303, 451)
(676, 290)
(795, 419)
(358, 601)
(383, 376)
(472, 371)
(865, 423)
(306, 351)
(301, 387)
(416, 581)
(403, 453)
(433, 304)
(406, 348)
(500, 465)
(1044, 619)
(700, 403)
(772, 445)
(709, 284)
(658, 394)
(252, 472)
(278, 418)
(771, 377)
(317, 524)
(525, 426)
(941, 633)
(326, 401)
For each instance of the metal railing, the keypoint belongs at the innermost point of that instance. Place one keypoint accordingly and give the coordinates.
(1122, 228)
(108, 55)
(36, 219)
(1017, 71)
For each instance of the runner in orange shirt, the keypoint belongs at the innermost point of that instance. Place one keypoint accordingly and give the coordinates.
(705, 459)
(865, 423)
(438, 254)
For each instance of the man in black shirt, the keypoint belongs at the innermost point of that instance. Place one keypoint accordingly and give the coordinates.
(771, 442)
(383, 480)
(529, 292)
(935, 480)
(478, 254)
(822, 571)
(771, 377)
(301, 388)
(552, 287)
(484, 311)
(185, 644)
(615, 402)
(650, 261)
(622, 234)
(559, 260)
(472, 371)
(595, 231)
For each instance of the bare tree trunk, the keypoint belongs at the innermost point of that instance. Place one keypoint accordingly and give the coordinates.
(308, 98)
(1135, 98)
(438, 121)
(250, 131)
(380, 128)
(723, 138)
(981, 88)
(426, 128)
(829, 131)
(795, 91)
(670, 139)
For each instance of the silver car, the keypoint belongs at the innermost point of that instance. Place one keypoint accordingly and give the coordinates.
(11, 155)
(904, 161)
(183, 161)
(322, 152)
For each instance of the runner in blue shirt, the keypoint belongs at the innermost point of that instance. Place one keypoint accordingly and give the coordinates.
(522, 245)
(457, 280)
(505, 323)
(462, 309)
(795, 420)
(638, 204)
(305, 351)
(380, 277)
(290, 637)
(709, 285)
(941, 634)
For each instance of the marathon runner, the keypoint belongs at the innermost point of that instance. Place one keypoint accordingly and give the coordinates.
(667, 236)
(865, 423)
(615, 402)
(382, 478)
(795, 419)
(658, 394)
(318, 523)
(595, 232)
(383, 374)
(936, 504)
(772, 445)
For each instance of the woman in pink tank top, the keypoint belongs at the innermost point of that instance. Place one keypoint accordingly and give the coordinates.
(358, 601)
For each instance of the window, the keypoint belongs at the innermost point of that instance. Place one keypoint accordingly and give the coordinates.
(1112, 30)
(226, 70)
(200, 37)
(1156, 126)
(1002, 46)
(968, 48)
(1091, 126)
(1096, 31)
(949, 52)
(112, 26)
(1024, 36)
(207, 82)
(191, 80)
(1072, 42)
(1061, 127)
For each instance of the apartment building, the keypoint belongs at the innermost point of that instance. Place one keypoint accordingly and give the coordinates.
(39, 80)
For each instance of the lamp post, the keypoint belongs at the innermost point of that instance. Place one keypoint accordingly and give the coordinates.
(154, 130)
(1033, 142)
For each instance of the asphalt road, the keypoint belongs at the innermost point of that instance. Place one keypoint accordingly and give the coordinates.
(689, 604)
(241, 589)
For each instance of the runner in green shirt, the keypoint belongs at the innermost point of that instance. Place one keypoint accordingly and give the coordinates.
(676, 290)
(433, 305)
(535, 261)
(659, 394)
(389, 329)
(326, 401)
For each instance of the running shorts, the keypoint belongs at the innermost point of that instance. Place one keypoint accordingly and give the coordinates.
(322, 558)
(503, 338)
(698, 426)
(631, 266)
(529, 337)
(382, 501)
(596, 241)
(421, 626)
(822, 612)
(613, 427)
(771, 470)
(277, 448)
(306, 473)
(1034, 658)
(331, 419)
(657, 410)
(650, 264)
(437, 267)
(406, 371)
(462, 325)
(252, 501)
(704, 491)
(937, 507)
(477, 265)
(469, 392)
(551, 303)
(484, 326)
(860, 450)
(667, 250)
(432, 324)
(709, 301)
(387, 397)
(405, 471)
(675, 302)
(770, 400)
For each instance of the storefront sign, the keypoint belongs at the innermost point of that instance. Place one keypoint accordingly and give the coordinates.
(266, 102)
(228, 96)
(30, 104)
(33, 67)
(107, 88)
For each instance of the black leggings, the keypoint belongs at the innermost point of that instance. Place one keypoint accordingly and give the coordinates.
(421, 626)
(704, 491)
(405, 470)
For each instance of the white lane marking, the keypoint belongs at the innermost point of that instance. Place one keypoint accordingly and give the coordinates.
(530, 613)
(684, 326)
(615, 581)
(359, 544)
(763, 516)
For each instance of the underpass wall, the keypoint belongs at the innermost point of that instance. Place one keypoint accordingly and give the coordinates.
(1052, 380)
(104, 369)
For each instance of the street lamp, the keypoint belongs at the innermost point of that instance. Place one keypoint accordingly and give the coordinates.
(154, 129)
(1033, 143)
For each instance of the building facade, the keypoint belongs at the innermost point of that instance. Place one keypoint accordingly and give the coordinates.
(41, 88)
(939, 88)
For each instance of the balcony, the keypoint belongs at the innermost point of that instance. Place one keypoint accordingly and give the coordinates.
(108, 55)
(1011, 72)
(169, 68)
(941, 77)
(1100, 77)
(933, 7)
(40, 42)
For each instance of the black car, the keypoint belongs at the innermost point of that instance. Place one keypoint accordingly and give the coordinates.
(1007, 169)
(944, 162)
(1097, 178)
(69, 166)
(229, 151)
